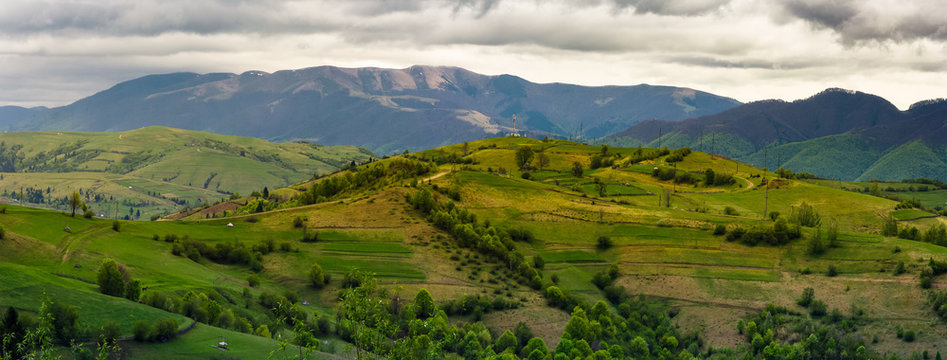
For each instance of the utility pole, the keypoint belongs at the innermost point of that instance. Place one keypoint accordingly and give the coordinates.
(700, 139)
(713, 145)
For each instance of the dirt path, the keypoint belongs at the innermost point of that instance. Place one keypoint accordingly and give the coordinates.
(436, 176)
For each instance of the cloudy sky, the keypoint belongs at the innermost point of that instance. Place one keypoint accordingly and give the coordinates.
(53, 52)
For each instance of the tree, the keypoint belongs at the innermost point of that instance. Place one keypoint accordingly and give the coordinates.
(709, 177)
(524, 154)
(808, 295)
(504, 342)
(604, 243)
(110, 279)
(542, 160)
(317, 277)
(524, 334)
(133, 290)
(424, 303)
(577, 169)
(75, 202)
(266, 192)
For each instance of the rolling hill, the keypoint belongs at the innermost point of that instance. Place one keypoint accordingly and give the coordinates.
(837, 134)
(494, 248)
(384, 110)
(155, 169)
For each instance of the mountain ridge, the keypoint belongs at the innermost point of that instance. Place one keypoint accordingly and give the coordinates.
(815, 134)
(386, 110)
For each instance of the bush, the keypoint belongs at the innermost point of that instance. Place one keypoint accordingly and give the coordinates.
(3, 233)
(908, 336)
(253, 280)
(310, 236)
(720, 229)
(298, 222)
(604, 243)
(898, 270)
(729, 210)
(832, 271)
(88, 214)
(317, 277)
(805, 215)
(142, 331)
(116, 225)
(166, 330)
(808, 295)
(538, 262)
(526, 175)
(817, 308)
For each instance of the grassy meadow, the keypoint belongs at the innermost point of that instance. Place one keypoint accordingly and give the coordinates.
(663, 248)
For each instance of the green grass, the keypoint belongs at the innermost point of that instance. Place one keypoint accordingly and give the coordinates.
(908, 214)
(361, 247)
(571, 257)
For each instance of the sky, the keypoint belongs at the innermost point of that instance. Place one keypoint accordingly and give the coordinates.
(54, 52)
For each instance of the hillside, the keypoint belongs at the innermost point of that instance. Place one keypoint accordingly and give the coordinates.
(156, 169)
(495, 248)
(835, 134)
(385, 110)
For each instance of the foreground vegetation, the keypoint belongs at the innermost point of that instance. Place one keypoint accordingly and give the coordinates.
(501, 248)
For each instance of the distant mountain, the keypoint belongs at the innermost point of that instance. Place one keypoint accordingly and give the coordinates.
(837, 134)
(10, 115)
(385, 110)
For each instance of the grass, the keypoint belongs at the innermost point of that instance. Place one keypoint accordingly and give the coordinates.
(146, 168)
(668, 252)
(571, 257)
(908, 214)
(358, 247)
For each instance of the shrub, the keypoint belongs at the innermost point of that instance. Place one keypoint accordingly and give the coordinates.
(538, 262)
(166, 330)
(720, 229)
(817, 308)
(116, 225)
(908, 336)
(832, 271)
(898, 270)
(253, 280)
(142, 331)
(310, 236)
(88, 214)
(317, 277)
(729, 210)
(3, 233)
(604, 243)
(805, 215)
(773, 215)
(808, 295)
(298, 222)
(526, 175)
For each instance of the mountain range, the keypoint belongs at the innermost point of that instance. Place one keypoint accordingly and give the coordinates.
(837, 134)
(385, 110)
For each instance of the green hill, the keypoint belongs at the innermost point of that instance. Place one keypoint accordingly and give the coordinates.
(464, 223)
(155, 169)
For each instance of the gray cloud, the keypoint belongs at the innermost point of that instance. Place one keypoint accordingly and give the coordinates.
(672, 7)
(874, 20)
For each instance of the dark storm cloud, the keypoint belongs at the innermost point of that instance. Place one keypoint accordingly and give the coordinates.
(859, 21)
